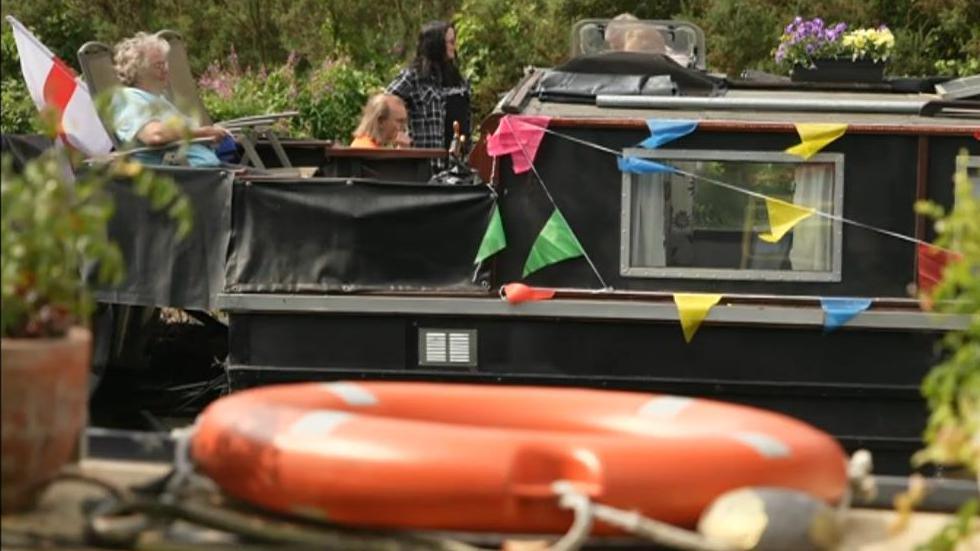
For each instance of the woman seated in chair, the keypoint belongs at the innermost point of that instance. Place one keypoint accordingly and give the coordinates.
(142, 116)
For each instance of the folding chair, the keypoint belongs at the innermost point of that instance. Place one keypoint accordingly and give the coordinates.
(184, 94)
(100, 75)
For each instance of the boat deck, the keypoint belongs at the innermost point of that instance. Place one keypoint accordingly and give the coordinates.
(58, 522)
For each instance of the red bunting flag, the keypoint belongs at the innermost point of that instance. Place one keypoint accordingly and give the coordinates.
(519, 137)
(515, 293)
(932, 262)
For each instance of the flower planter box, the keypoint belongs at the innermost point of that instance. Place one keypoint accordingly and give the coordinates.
(840, 70)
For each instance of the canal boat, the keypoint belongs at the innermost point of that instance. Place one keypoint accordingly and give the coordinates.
(693, 234)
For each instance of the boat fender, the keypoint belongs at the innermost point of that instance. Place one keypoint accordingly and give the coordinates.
(516, 293)
(764, 519)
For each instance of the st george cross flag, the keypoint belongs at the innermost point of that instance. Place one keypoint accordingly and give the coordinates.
(54, 85)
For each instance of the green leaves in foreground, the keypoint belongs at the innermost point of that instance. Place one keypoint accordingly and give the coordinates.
(55, 230)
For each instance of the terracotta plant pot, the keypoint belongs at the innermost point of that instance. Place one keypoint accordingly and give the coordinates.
(44, 409)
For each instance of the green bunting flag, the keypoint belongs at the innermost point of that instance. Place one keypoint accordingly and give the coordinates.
(555, 243)
(494, 240)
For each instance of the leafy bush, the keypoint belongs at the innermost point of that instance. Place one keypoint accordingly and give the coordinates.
(53, 226)
(331, 100)
(18, 113)
(328, 97)
(952, 388)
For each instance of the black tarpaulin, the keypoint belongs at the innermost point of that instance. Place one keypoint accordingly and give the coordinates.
(23, 147)
(160, 269)
(690, 82)
(325, 234)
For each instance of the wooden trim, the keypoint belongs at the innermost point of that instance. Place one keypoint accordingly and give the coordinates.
(768, 126)
(921, 182)
(384, 153)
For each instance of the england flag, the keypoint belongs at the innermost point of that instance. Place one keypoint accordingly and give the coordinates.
(52, 84)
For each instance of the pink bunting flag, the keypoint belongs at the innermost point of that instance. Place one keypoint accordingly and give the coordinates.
(518, 136)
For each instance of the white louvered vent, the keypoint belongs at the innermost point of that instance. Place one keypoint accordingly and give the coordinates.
(459, 348)
(435, 347)
(447, 347)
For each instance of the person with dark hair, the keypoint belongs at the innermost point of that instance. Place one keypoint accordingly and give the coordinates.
(433, 89)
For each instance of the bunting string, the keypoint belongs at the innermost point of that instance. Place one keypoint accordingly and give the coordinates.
(738, 189)
(537, 175)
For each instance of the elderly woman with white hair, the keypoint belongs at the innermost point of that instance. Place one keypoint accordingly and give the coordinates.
(142, 116)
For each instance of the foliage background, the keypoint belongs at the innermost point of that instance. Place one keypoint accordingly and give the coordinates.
(324, 57)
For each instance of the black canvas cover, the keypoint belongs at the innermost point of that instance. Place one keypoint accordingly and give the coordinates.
(689, 82)
(326, 234)
(584, 87)
(160, 269)
(23, 147)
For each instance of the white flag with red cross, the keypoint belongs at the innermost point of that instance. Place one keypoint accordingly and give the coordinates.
(53, 84)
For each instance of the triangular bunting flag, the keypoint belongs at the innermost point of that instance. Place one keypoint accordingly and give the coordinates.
(815, 136)
(782, 217)
(932, 262)
(692, 308)
(641, 166)
(555, 243)
(519, 137)
(663, 131)
(494, 239)
(838, 311)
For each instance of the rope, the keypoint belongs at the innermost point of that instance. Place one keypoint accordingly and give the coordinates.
(631, 522)
(735, 188)
(537, 175)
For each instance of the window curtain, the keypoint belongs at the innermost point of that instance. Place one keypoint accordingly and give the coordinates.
(813, 238)
(647, 247)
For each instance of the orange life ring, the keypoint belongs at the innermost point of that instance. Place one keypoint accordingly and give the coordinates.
(484, 458)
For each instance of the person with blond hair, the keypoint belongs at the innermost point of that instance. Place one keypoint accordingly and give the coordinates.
(383, 123)
(617, 28)
(644, 39)
(142, 116)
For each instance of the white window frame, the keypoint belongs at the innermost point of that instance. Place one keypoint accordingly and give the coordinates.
(667, 155)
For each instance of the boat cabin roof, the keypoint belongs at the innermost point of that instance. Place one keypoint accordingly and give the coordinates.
(606, 80)
(775, 106)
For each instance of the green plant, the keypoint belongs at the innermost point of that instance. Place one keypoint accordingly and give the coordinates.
(329, 97)
(805, 40)
(54, 230)
(952, 388)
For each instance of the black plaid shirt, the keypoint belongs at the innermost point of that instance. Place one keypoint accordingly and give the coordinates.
(426, 103)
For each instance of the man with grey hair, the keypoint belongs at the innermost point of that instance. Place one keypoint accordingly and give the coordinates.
(142, 116)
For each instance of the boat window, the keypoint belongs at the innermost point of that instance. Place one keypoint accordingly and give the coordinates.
(684, 226)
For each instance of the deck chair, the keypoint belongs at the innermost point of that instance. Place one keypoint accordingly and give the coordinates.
(100, 75)
(183, 92)
(95, 59)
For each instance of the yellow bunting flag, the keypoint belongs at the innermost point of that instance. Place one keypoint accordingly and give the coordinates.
(782, 217)
(815, 136)
(692, 308)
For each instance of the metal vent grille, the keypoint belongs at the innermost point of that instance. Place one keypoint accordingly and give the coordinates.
(447, 347)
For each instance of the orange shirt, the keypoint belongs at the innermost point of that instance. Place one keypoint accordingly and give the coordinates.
(366, 142)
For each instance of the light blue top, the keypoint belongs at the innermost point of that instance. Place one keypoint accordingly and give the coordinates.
(133, 108)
